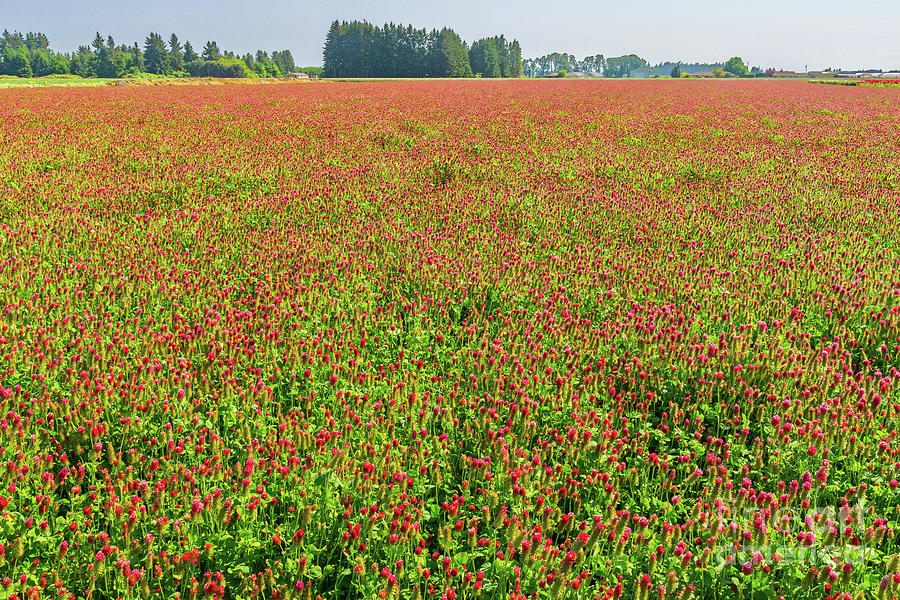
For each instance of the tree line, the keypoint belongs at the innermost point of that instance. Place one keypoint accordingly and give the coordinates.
(29, 55)
(352, 49)
(550, 64)
(621, 66)
(360, 49)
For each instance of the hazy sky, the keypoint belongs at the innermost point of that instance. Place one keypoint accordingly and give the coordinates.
(778, 33)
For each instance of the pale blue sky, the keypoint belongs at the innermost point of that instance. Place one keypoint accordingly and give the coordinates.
(779, 33)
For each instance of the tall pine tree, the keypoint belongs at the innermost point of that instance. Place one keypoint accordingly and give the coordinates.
(156, 56)
(190, 55)
(448, 55)
(211, 51)
(176, 54)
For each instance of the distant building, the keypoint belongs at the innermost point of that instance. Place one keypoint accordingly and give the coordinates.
(576, 75)
(641, 73)
(297, 76)
(787, 74)
(704, 74)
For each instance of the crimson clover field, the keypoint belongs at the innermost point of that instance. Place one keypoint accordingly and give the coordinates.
(435, 339)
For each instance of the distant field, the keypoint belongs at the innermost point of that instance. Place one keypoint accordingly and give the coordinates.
(50, 81)
(7, 82)
(92, 82)
(450, 339)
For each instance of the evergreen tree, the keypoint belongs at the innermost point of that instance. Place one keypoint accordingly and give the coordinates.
(284, 60)
(41, 63)
(14, 40)
(502, 54)
(110, 62)
(413, 47)
(515, 60)
(98, 44)
(16, 61)
(359, 49)
(484, 58)
(332, 59)
(84, 63)
(139, 65)
(11, 40)
(448, 55)
(386, 52)
(211, 51)
(129, 60)
(101, 61)
(156, 56)
(176, 54)
(350, 50)
(36, 41)
(495, 57)
(189, 54)
(29, 56)
(99, 47)
(262, 65)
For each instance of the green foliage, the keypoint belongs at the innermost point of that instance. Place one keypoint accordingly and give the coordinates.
(593, 64)
(553, 63)
(211, 51)
(110, 61)
(736, 66)
(359, 49)
(620, 66)
(176, 54)
(495, 57)
(134, 60)
(29, 55)
(448, 55)
(317, 71)
(262, 65)
(229, 68)
(676, 71)
(16, 62)
(550, 65)
(41, 63)
(189, 54)
(284, 61)
(485, 59)
(156, 56)
(83, 63)
(350, 50)
(392, 51)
